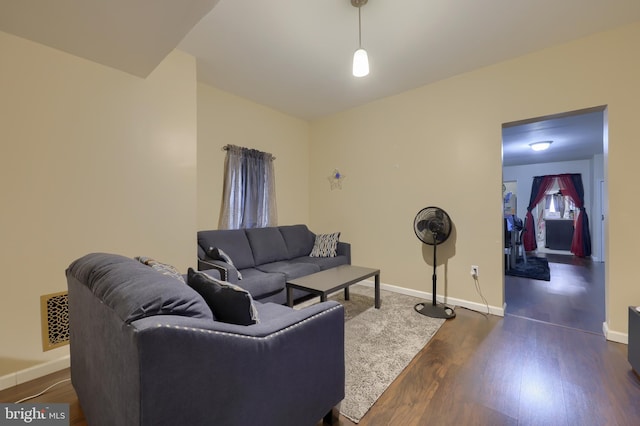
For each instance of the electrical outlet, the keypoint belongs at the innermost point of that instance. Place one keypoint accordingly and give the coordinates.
(475, 270)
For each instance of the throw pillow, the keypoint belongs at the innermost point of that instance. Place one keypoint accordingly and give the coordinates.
(219, 254)
(326, 245)
(163, 268)
(228, 302)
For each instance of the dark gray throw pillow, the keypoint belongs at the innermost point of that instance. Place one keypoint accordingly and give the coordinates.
(218, 254)
(228, 303)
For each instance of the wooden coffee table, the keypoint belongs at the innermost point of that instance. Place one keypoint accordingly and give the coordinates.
(326, 282)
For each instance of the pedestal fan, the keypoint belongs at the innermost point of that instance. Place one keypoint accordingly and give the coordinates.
(432, 226)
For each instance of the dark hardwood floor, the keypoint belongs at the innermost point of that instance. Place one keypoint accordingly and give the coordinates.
(490, 371)
(573, 298)
(482, 370)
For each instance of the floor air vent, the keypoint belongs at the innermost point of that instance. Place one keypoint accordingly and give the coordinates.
(54, 310)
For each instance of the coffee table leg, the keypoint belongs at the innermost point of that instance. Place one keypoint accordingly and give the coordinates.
(290, 297)
(323, 297)
(377, 289)
(346, 293)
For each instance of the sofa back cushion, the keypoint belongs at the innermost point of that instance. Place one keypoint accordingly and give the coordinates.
(133, 290)
(299, 240)
(233, 242)
(267, 245)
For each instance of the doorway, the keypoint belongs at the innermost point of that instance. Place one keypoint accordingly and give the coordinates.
(574, 296)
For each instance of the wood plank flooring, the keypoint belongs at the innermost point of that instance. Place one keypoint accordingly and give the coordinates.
(482, 370)
(573, 298)
(512, 371)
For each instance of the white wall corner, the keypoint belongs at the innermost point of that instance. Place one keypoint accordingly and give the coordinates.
(614, 336)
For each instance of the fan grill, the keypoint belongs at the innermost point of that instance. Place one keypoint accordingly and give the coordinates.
(432, 225)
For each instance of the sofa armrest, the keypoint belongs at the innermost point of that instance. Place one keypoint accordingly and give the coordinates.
(287, 371)
(344, 249)
(227, 272)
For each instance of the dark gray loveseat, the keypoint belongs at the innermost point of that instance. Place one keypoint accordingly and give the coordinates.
(145, 350)
(267, 258)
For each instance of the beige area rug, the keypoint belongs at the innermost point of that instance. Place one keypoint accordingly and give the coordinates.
(379, 343)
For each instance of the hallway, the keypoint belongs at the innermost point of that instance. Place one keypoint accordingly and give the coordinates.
(573, 298)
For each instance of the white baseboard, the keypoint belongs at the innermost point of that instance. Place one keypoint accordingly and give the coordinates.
(614, 336)
(35, 372)
(474, 306)
(7, 381)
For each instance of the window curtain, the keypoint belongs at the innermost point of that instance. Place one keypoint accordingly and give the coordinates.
(539, 188)
(249, 196)
(571, 186)
(558, 203)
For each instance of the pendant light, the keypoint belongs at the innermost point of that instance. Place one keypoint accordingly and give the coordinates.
(360, 58)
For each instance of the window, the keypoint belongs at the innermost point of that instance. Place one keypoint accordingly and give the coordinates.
(249, 196)
(557, 206)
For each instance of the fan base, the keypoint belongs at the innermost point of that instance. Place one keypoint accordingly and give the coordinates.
(435, 311)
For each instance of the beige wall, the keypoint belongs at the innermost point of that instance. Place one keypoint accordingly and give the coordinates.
(91, 159)
(224, 119)
(441, 145)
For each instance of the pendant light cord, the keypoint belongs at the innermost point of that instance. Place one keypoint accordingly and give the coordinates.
(359, 29)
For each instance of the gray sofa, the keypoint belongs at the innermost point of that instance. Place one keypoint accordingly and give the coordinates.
(146, 350)
(266, 258)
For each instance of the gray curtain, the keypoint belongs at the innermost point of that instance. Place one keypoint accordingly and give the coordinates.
(249, 196)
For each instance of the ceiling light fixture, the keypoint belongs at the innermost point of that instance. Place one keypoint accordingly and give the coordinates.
(540, 146)
(360, 57)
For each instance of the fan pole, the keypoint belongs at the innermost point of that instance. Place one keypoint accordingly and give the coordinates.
(434, 310)
(434, 276)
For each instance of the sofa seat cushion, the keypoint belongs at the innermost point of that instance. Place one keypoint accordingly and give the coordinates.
(322, 262)
(260, 283)
(291, 270)
(234, 242)
(267, 245)
(299, 240)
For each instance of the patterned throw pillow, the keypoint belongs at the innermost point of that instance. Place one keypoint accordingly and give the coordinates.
(228, 303)
(218, 254)
(163, 268)
(326, 245)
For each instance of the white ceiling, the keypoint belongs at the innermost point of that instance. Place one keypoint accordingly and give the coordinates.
(574, 136)
(130, 35)
(295, 55)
